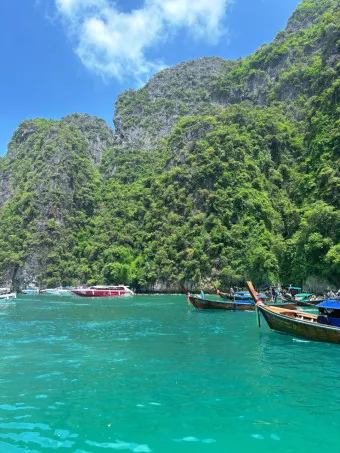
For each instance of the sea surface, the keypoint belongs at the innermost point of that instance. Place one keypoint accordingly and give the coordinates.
(150, 374)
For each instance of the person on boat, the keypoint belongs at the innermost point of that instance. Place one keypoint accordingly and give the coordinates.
(202, 294)
(268, 293)
(274, 295)
(232, 292)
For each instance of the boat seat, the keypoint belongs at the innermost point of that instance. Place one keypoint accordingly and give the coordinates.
(323, 319)
(305, 318)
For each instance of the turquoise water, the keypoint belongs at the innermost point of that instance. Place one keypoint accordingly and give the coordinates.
(150, 374)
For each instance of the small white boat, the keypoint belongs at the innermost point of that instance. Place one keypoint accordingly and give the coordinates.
(58, 292)
(8, 296)
(30, 290)
(5, 290)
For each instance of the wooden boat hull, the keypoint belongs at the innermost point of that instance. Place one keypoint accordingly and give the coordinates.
(209, 304)
(308, 303)
(305, 327)
(227, 296)
(286, 305)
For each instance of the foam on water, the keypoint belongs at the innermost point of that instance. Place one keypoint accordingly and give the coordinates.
(195, 439)
(34, 437)
(275, 437)
(257, 436)
(120, 445)
(5, 447)
(10, 407)
(31, 426)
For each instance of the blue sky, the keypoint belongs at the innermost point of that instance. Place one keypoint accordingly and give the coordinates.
(65, 56)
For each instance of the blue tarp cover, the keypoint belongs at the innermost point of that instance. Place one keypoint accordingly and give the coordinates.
(334, 304)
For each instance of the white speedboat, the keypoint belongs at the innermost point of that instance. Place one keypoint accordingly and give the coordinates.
(8, 296)
(58, 292)
(30, 290)
(104, 291)
(5, 291)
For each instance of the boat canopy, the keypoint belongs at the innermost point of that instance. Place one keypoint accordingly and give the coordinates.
(110, 288)
(295, 287)
(329, 313)
(331, 304)
(245, 295)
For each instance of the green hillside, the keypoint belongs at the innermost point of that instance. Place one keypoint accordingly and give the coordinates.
(218, 172)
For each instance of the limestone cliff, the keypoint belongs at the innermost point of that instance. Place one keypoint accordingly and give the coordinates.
(217, 171)
(281, 71)
(48, 186)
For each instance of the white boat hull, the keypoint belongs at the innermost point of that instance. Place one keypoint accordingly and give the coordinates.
(59, 292)
(9, 296)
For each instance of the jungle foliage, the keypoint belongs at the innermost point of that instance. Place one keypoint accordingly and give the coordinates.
(246, 188)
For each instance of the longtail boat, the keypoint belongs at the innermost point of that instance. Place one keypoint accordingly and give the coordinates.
(239, 295)
(305, 303)
(204, 304)
(323, 327)
(227, 296)
(236, 305)
(307, 299)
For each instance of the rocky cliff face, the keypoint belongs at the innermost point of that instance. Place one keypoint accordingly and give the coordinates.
(281, 71)
(98, 135)
(144, 116)
(5, 191)
(49, 182)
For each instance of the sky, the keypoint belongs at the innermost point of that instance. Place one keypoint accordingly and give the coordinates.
(65, 56)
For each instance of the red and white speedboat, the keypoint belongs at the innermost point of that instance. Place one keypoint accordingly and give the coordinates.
(103, 291)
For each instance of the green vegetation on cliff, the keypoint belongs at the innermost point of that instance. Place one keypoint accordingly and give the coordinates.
(219, 171)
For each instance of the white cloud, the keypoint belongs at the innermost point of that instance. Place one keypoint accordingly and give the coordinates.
(115, 43)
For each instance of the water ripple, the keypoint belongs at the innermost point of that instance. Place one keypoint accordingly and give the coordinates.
(119, 445)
